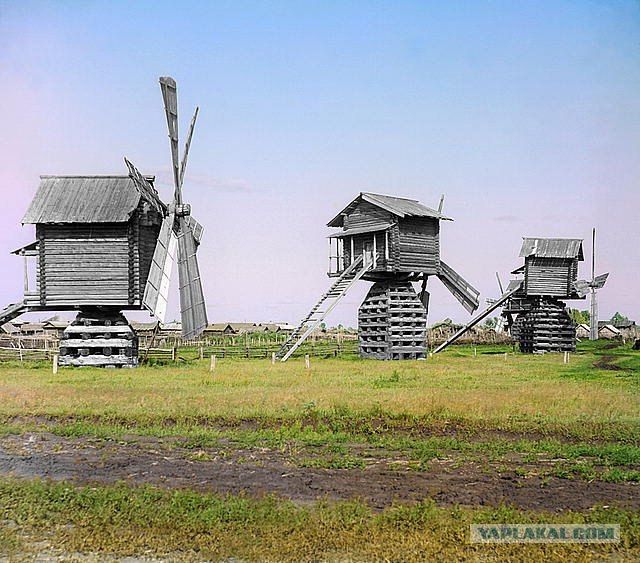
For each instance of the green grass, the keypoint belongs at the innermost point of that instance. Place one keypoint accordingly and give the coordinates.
(184, 525)
(526, 393)
(573, 420)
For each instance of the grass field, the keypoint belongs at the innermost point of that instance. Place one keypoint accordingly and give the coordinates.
(532, 418)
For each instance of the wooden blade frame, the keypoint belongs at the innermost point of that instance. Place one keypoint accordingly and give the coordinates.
(145, 189)
(156, 291)
(192, 307)
(170, 97)
(462, 290)
(187, 145)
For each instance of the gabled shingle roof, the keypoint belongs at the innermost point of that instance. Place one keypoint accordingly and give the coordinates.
(552, 248)
(399, 206)
(84, 199)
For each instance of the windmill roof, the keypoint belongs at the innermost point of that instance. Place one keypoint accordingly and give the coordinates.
(399, 206)
(552, 248)
(84, 199)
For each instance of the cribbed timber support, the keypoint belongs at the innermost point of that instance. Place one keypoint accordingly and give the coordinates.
(392, 323)
(547, 327)
(99, 338)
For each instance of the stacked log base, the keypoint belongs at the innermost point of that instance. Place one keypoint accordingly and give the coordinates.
(547, 327)
(516, 327)
(99, 339)
(392, 323)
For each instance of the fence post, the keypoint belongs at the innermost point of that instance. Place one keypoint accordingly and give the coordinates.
(55, 364)
(201, 353)
(273, 358)
(213, 363)
(565, 360)
(505, 356)
(173, 354)
(306, 361)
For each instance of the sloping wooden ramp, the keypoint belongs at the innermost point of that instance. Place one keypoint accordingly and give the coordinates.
(325, 305)
(505, 296)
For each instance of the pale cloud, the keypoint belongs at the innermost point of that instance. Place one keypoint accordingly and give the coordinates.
(164, 178)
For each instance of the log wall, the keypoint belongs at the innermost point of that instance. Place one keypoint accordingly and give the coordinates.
(84, 264)
(368, 215)
(550, 276)
(96, 264)
(419, 245)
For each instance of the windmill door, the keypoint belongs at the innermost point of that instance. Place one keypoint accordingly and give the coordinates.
(368, 251)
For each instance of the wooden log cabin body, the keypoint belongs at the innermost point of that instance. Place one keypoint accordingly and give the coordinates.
(402, 236)
(95, 241)
(551, 267)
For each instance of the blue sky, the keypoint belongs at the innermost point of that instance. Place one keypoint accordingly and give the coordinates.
(525, 114)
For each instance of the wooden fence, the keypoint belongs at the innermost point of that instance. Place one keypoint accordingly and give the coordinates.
(26, 354)
(317, 349)
(176, 353)
(24, 350)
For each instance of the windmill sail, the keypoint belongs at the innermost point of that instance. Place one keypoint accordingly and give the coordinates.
(599, 281)
(146, 190)
(461, 289)
(185, 156)
(192, 307)
(156, 291)
(170, 97)
(581, 287)
(189, 232)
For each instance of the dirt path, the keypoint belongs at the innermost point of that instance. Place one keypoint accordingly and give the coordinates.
(258, 471)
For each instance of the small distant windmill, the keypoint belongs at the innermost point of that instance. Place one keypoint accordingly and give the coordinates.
(536, 316)
(500, 321)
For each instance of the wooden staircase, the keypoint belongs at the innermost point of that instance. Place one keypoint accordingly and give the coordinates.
(325, 305)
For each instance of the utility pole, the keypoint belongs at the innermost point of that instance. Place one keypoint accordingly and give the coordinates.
(593, 325)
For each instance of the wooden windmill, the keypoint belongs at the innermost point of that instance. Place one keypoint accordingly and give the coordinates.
(392, 242)
(534, 303)
(105, 244)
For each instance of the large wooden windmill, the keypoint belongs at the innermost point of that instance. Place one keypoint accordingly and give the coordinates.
(392, 242)
(105, 244)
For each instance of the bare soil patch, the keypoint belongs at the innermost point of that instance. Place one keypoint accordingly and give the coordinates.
(608, 362)
(385, 479)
